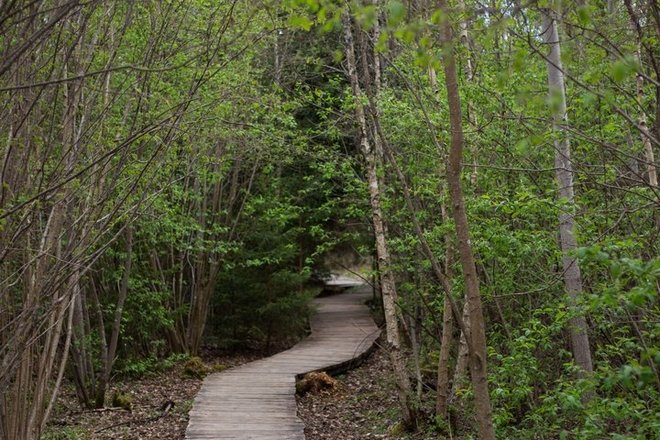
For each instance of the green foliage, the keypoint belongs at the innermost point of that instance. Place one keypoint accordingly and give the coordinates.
(144, 366)
(396, 12)
(622, 390)
(66, 433)
(225, 137)
(259, 299)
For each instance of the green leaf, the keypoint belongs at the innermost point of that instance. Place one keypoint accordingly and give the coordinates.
(584, 15)
(522, 146)
(405, 34)
(437, 16)
(520, 60)
(301, 22)
(589, 99)
(366, 16)
(396, 12)
(623, 68)
(381, 44)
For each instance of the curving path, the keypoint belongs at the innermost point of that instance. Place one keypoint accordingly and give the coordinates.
(257, 400)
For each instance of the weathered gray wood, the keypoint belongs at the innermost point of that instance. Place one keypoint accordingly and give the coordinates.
(256, 401)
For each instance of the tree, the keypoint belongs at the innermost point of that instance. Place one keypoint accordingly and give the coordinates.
(564, 171)
(478, 356)
(387, 283)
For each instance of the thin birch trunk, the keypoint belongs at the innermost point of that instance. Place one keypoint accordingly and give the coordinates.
(388, 285)
(442, 374)
(99, 398)
(645, 135)
(564, 174)
(415, 345)
(469, 74)
(64, 356)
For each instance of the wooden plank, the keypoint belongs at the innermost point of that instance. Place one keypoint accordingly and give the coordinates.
(256, 401)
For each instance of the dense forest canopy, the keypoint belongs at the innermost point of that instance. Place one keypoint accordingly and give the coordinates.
(174, 172)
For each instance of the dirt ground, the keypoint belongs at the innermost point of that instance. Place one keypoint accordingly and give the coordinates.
(363, 407)
(147, 396)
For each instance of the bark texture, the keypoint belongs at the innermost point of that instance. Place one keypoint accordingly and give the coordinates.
(477, 360)
(388, 286)
(564, 174)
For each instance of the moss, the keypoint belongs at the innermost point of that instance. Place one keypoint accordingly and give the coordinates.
(218, 367)
(122, 400)
(397, 430)
(195, 367)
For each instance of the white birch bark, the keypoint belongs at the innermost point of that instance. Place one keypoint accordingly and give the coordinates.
(564, 174)
(388, 284)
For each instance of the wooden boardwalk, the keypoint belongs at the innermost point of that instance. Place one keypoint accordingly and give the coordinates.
(257, 400)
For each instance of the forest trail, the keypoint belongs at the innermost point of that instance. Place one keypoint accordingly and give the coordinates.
(257, 400)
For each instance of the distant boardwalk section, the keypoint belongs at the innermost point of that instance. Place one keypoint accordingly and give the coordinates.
(257, 400)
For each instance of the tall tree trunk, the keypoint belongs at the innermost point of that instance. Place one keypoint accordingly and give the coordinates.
(415, 346)
(649, 156)
(469, 75)
(462, 358)
(111, 352)
(564, 173)
(443, 279)
(442, 376)
(451, 309)
(83, 375)
(478, 363)
(99, 389)
(388, 286)
(460, 371)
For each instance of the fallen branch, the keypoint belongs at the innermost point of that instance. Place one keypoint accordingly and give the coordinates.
(165, 408)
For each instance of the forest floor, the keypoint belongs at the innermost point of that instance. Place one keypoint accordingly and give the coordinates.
(146, 394)
(363, 406)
